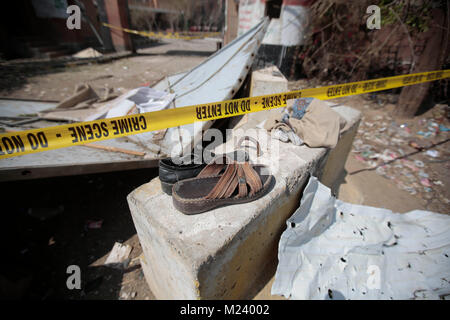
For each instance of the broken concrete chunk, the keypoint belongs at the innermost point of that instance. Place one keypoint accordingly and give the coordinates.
(118, 257)
(87, 53)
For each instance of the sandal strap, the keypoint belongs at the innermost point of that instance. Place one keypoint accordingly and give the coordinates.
(224, 182)
(248, 138)
(213, 168)
(253, 179)
(237, 175)
(242, 182)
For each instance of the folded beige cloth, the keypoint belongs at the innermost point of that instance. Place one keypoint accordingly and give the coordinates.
(319, 127)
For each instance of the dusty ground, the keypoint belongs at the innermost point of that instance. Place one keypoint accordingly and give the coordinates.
(385, 170)
(38, 251)
(148, 66)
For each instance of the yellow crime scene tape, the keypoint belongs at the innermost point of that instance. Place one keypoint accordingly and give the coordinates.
(68, 135)
(162, 35)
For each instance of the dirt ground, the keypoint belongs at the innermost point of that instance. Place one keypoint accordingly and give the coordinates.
(47, 220)
(147, 67)
(385, 167)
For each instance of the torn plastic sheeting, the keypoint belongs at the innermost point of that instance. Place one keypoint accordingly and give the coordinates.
(336, 250)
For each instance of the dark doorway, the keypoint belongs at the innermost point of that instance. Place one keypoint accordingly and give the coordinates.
(273, 8)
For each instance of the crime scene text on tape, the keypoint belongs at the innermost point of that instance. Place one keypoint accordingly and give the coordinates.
(162, 35)
(37, 140)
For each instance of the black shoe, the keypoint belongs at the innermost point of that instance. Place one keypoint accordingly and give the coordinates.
(170, 173)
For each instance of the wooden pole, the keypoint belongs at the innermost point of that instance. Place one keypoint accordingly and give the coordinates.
(432, 58)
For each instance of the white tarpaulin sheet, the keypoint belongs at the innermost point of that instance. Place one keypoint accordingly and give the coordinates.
(336, 250)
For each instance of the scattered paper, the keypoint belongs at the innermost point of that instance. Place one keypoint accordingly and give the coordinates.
(145, 99)
(433, 153)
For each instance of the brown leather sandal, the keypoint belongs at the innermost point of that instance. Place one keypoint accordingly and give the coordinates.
(241, 182)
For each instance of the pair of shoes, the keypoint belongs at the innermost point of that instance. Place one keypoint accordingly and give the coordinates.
(224, 181)
(171, 171)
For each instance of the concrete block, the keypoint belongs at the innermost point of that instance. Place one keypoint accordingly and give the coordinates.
(265, 81)
(224, 253)
(269, 80)
(333, 171)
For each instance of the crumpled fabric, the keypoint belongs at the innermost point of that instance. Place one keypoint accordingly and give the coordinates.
(299, 107)
(284, 133)
(320, 126)
(336, 250)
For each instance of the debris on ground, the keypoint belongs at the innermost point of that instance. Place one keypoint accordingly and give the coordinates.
(433, 153)
(405, 151)
(93, 224)
(87, 53)
(118, 257)
(51, 241)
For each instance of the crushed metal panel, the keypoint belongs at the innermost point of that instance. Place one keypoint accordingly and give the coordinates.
(218, 78)
(78, 160)
(16, 108)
